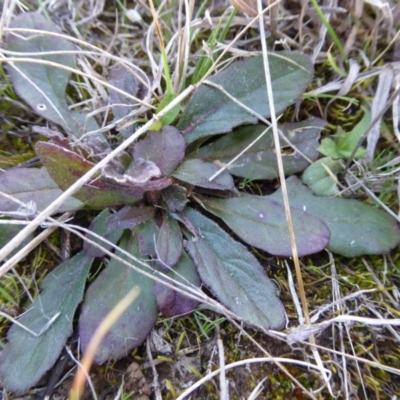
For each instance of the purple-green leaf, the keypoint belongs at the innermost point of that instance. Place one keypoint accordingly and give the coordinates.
(8, 232)
(133, 82)
(99, 226)
(176, 197)
(261, 222)
(43, 86)
(32, 184)
(356, 228)
(197, 173)
(25, 358)
(171, 302)
(211, 112)
(129, 217)
(259, 162)
(66, 167)
(169, 243)
(234, 275)
(147, 234)
(113, 283)
(166, 148)
(138, 173)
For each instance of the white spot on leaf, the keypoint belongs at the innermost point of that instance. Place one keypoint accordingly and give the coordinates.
(41, 107)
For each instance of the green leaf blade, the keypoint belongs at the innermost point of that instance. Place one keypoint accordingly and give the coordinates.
(197, 173)
(166, 148)
(169, 243)
(26, 358)
(172, 302)
(234, 275)
(356, 228)
(113, 283)
(259, 162)
(66, 167)
(262, 224)
(99, 227)
(41, 85)
(32, 184)
(211, 112)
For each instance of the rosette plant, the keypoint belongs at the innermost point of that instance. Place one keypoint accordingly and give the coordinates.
(168, 215)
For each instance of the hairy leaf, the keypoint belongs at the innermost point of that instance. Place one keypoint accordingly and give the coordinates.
(129, 217)
(43, 86)
(169, 242)
(211, 112)
(356, 228)
(234, 275)
(171, 302)
(138, 173)
(113, 283)
(165, 148)
(261, 222)
(197, 173)
(259, 162)
(25, 358)
(66, 167)
(99, 226)
(32, 184)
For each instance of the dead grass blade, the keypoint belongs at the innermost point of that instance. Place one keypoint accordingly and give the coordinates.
(107, 323)
(249, 7)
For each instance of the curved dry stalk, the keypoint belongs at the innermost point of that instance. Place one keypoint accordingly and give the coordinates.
(236, 364)
(102, 330)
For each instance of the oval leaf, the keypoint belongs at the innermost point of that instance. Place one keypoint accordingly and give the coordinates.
(176, 197)
(234, 275)
(8, 232)
(259, 162)
(356, 228)
(211, 112)
(131, 80)
(166, 149)
(172, 302)
(129, 217)
(43, 86)
(66, 167)
(147, 234)
(25, 358)
(32, 184)
(113, 283)
(261, 222)
(169, 242)
(99, 226)
(197, 173)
